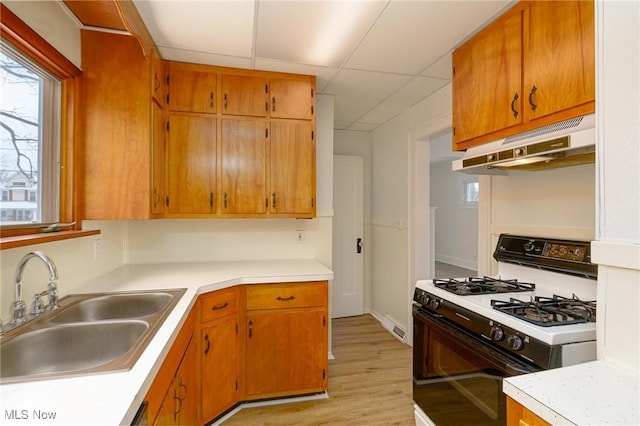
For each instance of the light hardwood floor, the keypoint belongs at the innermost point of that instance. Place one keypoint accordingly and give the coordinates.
(369, 383)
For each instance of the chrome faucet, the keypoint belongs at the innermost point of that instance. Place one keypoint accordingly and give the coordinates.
(19, 307)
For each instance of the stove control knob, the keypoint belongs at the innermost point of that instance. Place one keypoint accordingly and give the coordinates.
(497, 333)
(436, 303)
(515, 342)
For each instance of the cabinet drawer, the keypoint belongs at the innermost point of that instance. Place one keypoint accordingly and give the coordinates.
(218, 304)
(283, 296)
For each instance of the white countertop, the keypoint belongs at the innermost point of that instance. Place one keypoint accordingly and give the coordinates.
(594, 393)
(110, 399)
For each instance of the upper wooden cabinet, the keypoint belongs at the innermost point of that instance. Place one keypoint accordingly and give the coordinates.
(243, 164)
(244, 95)
(533, 66)
(293, 172)
(119, 130)
(487, 93)
(192, 88)
(292, 98)
(191, 164)
(559, 57)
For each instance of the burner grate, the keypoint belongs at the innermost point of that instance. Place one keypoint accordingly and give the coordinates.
(482, 285)
(549, 311)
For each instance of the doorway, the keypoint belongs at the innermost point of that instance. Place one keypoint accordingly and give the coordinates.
(347, 290)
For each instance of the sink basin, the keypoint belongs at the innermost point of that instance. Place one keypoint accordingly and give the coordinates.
(87, 334)
(113, 306)
(67, 348)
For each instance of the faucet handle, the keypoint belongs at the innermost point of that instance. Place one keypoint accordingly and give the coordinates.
(38, 306)
(53, 295)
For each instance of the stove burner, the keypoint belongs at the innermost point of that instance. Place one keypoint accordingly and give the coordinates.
(549, 311)
(535, 315)
(485, 285)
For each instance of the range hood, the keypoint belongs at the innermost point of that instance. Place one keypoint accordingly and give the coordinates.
(568, 143)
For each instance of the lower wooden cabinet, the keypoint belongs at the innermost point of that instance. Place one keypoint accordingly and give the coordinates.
(181, 403)
(174, 396)
(243, 343)
(286, 339)
(518, 415)
(220, 352)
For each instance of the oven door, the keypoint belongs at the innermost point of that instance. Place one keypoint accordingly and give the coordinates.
(457, 377)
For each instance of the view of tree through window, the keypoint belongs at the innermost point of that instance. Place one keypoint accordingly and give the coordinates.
(28, 146)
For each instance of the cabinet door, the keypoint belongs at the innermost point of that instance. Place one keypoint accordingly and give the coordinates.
(293, 169)
(191, 164)
(192, 88)
(187, 387)
(117, 128)
(168, 410)
(487, 92)
(219, 354)
(286, 352)
(158, 132)
(244, 95)
(244, 166)
(560, 57)
(291, 99)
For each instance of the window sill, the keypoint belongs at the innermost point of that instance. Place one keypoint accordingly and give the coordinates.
(31, 239)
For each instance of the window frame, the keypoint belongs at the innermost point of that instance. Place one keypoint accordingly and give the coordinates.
(29, 43)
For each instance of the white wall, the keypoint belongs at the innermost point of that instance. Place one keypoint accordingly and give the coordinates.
(617, 249)
(456, 225)
(389, 205)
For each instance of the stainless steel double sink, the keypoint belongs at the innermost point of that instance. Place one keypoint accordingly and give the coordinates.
(87, 334)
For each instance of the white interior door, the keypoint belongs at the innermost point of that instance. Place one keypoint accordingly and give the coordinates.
(347, 298)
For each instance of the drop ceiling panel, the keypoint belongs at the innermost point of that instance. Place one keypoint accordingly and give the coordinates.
(416, 90)
(313, 32)
(356, 92)
(411, 35)
(220, 27)
(323, 74)
(440, 69)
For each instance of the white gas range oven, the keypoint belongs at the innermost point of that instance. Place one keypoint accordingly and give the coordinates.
(538, 313)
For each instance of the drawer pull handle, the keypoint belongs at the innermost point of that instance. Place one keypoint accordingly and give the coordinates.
(285, 299)
(224, 305)
(250, 329)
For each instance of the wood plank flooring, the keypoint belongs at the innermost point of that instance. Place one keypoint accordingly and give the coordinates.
(369, 383)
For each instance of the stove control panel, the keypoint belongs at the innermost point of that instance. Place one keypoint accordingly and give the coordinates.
(564, 256)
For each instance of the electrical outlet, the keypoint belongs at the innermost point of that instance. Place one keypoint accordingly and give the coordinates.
(300, 237)
(97, 248)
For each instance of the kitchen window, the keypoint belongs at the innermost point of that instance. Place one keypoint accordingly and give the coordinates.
(29, 139)
(471, 192)
(36, 128)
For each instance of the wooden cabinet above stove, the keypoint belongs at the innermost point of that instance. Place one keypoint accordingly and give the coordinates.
(533, 66)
